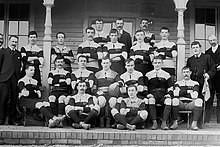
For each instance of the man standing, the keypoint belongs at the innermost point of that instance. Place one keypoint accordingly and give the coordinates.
(149, 37)
(167, 50)
(33, 54)
(100, 36)
(124, 37)
(202, 67)
(214, 52)
(61, 49)
(116, 52)
(91, 50)
(10, 67)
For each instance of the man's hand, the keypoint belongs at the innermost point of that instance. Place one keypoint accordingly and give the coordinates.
(150, 96)
(206, 76)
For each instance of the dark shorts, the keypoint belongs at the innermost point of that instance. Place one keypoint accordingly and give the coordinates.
(159, 96)
(28, 102)
(57, 94)
(187, 105)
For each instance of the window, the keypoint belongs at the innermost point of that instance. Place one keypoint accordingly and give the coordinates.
(205, 25)
(2, 14)
(14, 20)
(19, 22)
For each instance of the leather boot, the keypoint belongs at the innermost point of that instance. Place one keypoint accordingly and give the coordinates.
(108, 122)
(101, 122)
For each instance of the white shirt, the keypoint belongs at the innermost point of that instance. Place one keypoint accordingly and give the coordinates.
(214, 48)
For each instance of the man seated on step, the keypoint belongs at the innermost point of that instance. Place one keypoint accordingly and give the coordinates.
(29, 97)
(59, 80)
(107, 81)
(186, 98)
(160, 91)
(82, 108)
(132, 111)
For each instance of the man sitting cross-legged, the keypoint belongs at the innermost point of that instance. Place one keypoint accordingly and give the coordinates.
(82, 108)
(132, 111)
(186, 98)
(29, 96)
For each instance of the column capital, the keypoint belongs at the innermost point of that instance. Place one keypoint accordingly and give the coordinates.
(48, 3)
(180, 4)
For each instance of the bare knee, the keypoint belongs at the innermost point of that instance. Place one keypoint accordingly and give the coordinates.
(52, 98)
(175, 102)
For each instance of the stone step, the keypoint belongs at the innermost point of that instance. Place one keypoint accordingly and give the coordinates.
(13, 135)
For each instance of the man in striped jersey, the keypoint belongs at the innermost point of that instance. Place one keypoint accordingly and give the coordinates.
(82, 108)
(105, 78)
(91, 50)
(116, 52)
(186, 94)
(160, 89)
(59, 80)
(167, 50)
(149, 37)
(132, 111)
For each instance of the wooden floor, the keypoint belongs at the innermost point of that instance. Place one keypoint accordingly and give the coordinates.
(209, 135)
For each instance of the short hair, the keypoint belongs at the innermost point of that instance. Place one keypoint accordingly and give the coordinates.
(158, 57)
(13, 36)
(139, 31)
(196, 43)
(106, 58)
(90, 28)
(132, 85)
(165, 28)
(113, 31)
(28, 65)
(99, 19)
(59, 57)
(119, 19)
(61, 33)
(82, 56)
(186, 67)
(129, 60)
(32, 33)
(144, 19)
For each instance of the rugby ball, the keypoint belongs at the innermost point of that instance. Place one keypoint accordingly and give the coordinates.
(114, 90)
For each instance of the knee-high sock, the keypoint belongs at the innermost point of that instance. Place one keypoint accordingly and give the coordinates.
(107, 111)
(53, 107)
(153, 112)
(61, 107)
(72, 114)
(218, 108)
(121, 119)
(147, 107)
(46, 113)
(102, 112)
(117, 106)
(197, 113)
(136, 120)
(175, 112)
(166, 112)
(92, 115)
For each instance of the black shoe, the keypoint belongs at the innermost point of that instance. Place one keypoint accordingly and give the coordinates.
(13, 123)
(2, 122)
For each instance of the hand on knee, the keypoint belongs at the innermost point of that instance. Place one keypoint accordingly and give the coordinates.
(175, 102)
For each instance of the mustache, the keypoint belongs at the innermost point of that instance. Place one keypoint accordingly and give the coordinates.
(144, 25)
(119, 26)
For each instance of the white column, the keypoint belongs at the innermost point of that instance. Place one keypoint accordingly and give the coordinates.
(181, 44)
(47, 44)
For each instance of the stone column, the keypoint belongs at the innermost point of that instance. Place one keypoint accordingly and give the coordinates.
(181, 44)
(47, 41)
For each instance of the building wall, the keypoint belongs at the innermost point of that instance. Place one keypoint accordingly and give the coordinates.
(72, 17)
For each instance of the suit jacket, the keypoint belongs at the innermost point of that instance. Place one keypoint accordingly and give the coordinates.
(216, 57)
(204, 64)
(125, 38)
(10, 63)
